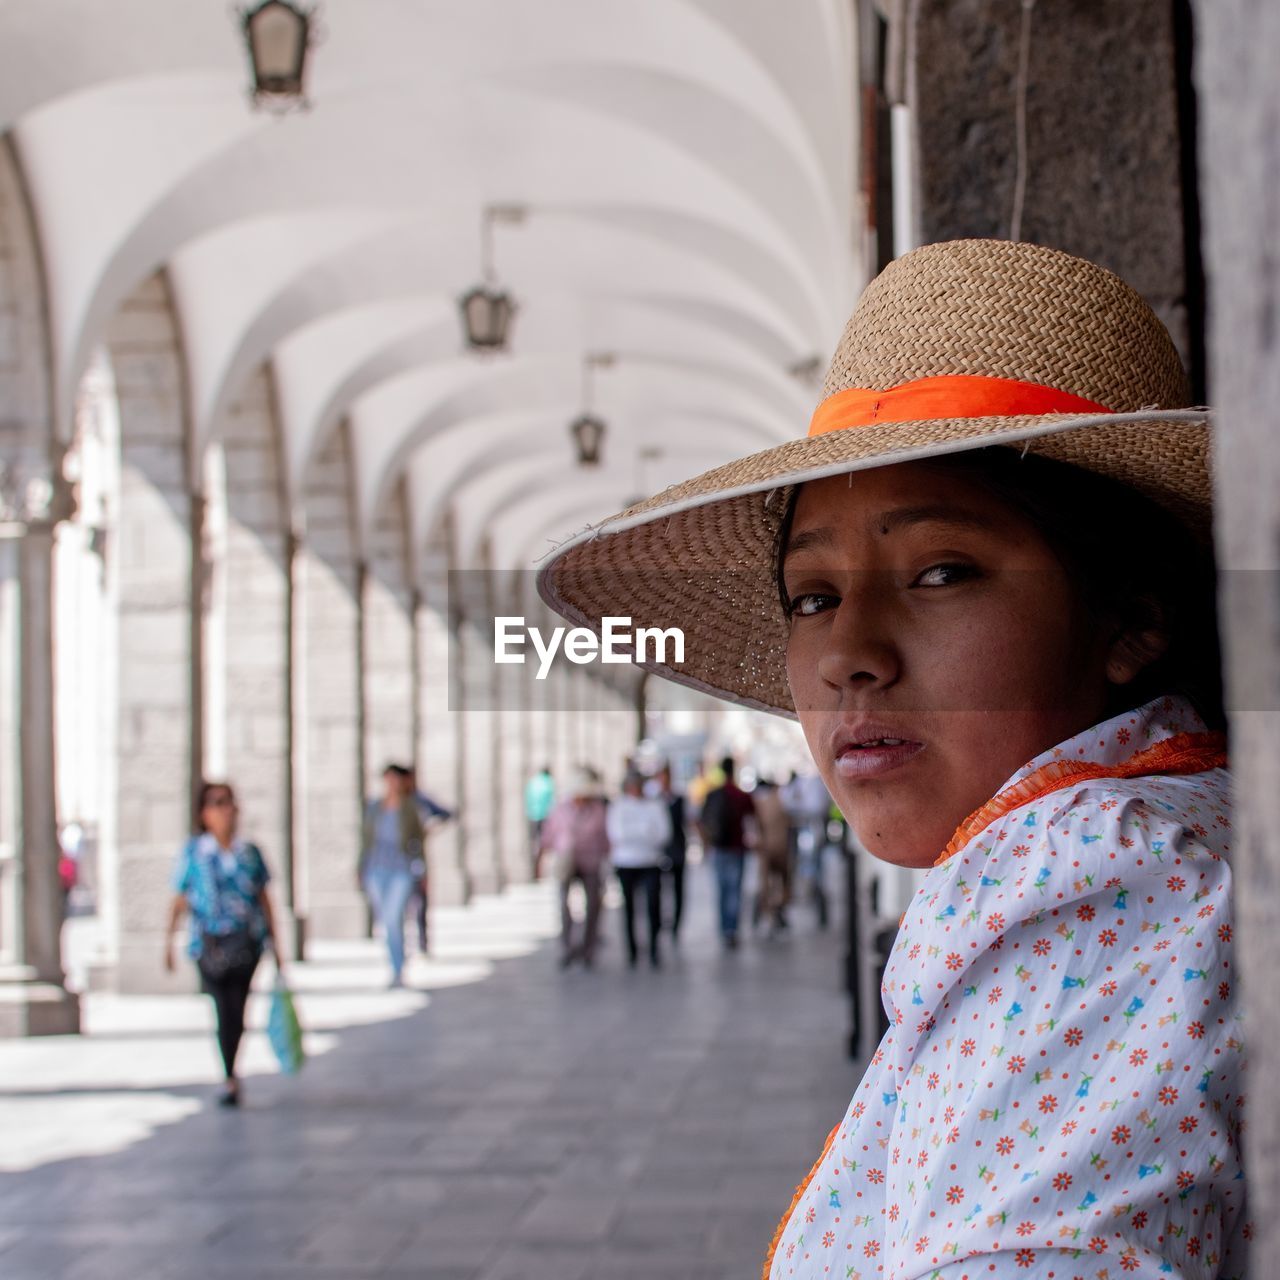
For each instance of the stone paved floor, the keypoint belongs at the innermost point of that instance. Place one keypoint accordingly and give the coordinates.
(501, 1121)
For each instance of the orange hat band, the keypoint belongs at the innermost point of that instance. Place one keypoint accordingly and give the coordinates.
(958, 395)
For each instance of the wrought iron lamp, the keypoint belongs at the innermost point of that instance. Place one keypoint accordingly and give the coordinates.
(279, 35)
(487, 310)
(587, 429)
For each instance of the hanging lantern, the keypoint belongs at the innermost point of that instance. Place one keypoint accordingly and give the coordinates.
(588, 435)
(487, 310)
(278, 34)
(486, 318)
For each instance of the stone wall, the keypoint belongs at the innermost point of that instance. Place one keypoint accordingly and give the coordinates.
(255, 647)
(1240, 97)
(328, 756)
(158, 734)
(1104, 173)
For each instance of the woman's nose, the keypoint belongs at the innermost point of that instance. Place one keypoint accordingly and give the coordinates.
(860, 651)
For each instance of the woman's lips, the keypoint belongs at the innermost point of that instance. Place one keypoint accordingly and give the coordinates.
(873, 759)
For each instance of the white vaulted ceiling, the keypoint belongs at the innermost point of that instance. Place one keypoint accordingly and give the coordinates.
(688, 167)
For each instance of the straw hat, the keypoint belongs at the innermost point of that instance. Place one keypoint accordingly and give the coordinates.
(584, 784)
(953, 347)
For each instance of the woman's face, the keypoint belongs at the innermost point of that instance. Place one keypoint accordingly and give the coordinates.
(219, 814)
(936, 646)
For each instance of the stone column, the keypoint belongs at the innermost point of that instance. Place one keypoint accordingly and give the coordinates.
(1103, 174)
(254, 644)
(440, 727)
(1239, 44)
(328, 748)
(477, 709)
(388, 613)
(32, 499)
(157, 550)
(513, 764)
(33, 1000)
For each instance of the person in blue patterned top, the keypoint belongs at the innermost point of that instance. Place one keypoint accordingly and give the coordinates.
(221, 882)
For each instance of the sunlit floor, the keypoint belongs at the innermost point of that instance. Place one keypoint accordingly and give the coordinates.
(498, 1119)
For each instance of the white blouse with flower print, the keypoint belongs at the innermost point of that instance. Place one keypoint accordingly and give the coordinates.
(1059, 1093)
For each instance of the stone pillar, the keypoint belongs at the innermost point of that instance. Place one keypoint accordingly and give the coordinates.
(157, 548)
(32, 499)
(1236, 54)
(561, 694)
(33, 1000)
(477, 709)
(328, 763)
(388, 611)
(255, 573)
(440, 726)
(512, 761)
(1103, 176)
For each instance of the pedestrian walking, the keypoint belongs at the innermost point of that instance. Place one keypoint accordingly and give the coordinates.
(675, 855)
(576, 837)
(391, 860)
(808, 806)
(994, 616)
(431, 814)
(773, 856)
(723, 826)
(639, 828)
(220, 882)
(539, 797)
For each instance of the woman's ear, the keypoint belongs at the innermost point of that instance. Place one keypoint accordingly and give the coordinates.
(1140, 644)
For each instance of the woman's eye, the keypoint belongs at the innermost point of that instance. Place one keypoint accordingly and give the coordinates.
(808, 603)
(944, 575)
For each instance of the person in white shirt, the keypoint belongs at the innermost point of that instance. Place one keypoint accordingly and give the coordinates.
(639, 830)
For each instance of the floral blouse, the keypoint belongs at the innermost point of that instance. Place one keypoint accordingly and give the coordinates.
(223, 888)
(1059, 1093)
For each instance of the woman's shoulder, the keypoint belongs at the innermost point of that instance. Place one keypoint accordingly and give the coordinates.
(1103, 833)
(1147, 810)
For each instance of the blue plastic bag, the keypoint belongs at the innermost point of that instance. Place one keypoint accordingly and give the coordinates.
(284, 1031)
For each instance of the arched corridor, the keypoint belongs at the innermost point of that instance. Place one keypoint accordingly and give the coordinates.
(264, 502)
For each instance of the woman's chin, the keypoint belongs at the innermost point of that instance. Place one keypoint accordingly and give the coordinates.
(901, 845)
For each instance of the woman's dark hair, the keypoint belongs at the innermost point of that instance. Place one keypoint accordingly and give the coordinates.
(1135, 565)
(207, 788)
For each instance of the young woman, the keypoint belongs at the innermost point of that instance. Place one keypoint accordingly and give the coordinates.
(639, 829)
(222, 883)
(983, 584)
(392, 861)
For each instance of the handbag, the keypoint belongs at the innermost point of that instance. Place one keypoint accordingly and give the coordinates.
(284, 1030)
(227, 955)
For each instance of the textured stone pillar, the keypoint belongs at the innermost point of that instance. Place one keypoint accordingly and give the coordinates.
(478, 695)
(513, 765)
(32, 998)
(1236, 56)
(440, 727)
(388, 652)
(255, 587)
(1103, 172)
(327, 701)
(563, 720)
(158, 712)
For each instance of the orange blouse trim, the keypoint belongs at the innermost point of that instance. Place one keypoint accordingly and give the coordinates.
(958, 395)
(1183, 753)
(795, 1200)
